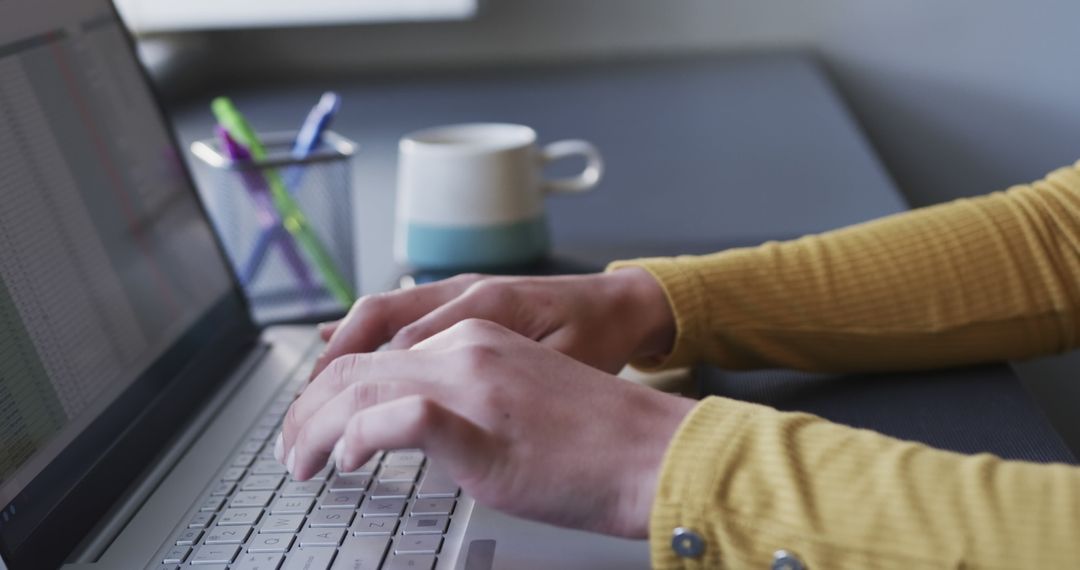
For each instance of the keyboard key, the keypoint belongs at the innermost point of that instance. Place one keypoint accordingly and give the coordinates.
(410, 457)
(232, 474)
(282, 523)
(239, 517)
(176, 555)
(321, 537)
(361, 553)
(410, 562)
(382, 508)
(223, 489)
(267, 467)
(215, 554)
(301, 489)
(391, 490)
(243, 459)
(432, 507)
(261, 482)
(292, 506)
(252, 499)
(425, 525)
(399, 473)
(367, 468)
(187, 537)
(201, 520)
(436, 484)
(340, 483)
(349, 500)
(227, 535)
(312, 559)
(418, 544)
(212, 504)
(260, 433)
(259, 562)
(373, 526)
(330, 518)
(251, 447)
(270, 543)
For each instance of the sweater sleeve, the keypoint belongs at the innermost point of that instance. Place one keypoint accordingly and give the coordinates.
(751, 481)
(975, 280)
(983, 279)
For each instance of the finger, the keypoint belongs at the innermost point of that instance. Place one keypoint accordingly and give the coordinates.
(463, 448)
(345, 371)
(375, 319)
(488, 300)
(317, 436)
(326, 330)
(461, 334)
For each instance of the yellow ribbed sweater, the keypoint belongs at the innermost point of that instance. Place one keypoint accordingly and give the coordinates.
(975, 280)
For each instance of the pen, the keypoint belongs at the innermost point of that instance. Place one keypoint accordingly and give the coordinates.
(310, 135)
(272, 230)
(291, 216)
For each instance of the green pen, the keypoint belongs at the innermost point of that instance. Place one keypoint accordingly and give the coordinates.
(291, 216)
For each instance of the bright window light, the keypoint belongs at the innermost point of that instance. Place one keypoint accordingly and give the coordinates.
(165, 15)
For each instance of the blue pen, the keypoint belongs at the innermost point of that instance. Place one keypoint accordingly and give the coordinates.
(310, 135)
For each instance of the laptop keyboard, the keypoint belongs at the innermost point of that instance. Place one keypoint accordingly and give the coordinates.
(392, 513)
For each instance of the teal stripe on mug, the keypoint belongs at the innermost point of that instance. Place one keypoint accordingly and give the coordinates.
(476, 247)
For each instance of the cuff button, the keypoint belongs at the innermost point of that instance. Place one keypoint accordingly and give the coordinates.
(784, 560)
(687, 543)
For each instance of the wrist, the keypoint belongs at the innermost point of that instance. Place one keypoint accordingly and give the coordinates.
(643, 472)
(652, 319)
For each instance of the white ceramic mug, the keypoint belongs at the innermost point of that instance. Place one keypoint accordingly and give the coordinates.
(471, 196)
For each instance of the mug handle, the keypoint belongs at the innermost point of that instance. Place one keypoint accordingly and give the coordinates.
(594, 166)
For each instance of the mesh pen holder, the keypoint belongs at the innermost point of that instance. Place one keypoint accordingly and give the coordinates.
(281, 279)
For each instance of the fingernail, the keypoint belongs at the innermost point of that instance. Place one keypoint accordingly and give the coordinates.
(339, 452)
(279, 448)
(322, 326)
(291, 461)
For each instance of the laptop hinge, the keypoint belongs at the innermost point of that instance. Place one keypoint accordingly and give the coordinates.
(103, 534)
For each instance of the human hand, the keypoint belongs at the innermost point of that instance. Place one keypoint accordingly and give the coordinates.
(519, 426)
(604, 320)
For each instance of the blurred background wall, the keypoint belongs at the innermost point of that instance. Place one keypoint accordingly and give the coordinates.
(959, 97)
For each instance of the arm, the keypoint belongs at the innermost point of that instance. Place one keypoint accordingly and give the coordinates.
(983, 279)
(976, 280)
(751, 481)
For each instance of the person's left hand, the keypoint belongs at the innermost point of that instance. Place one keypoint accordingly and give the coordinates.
(519, 426)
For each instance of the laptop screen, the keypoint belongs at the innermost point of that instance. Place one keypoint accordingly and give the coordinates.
(106, 259)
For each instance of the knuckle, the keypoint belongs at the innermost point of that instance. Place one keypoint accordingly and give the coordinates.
(491, 287)
(475, 326)
(478, 356)
(468, 278)
(365, 395)
(424, 413)
(369, 304)
(409, 335)
(342, 368)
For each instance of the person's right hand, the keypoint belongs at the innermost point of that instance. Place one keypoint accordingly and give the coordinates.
(604, 320)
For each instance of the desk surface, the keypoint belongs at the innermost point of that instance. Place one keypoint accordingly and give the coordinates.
(716, 151)
(700, 155)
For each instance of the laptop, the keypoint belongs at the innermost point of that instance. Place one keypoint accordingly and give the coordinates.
(137, 398)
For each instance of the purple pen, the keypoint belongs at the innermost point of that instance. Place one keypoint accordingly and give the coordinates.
(271, 230)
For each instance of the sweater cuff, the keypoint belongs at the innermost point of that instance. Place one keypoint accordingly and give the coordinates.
(687, 484)
(683, 290)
